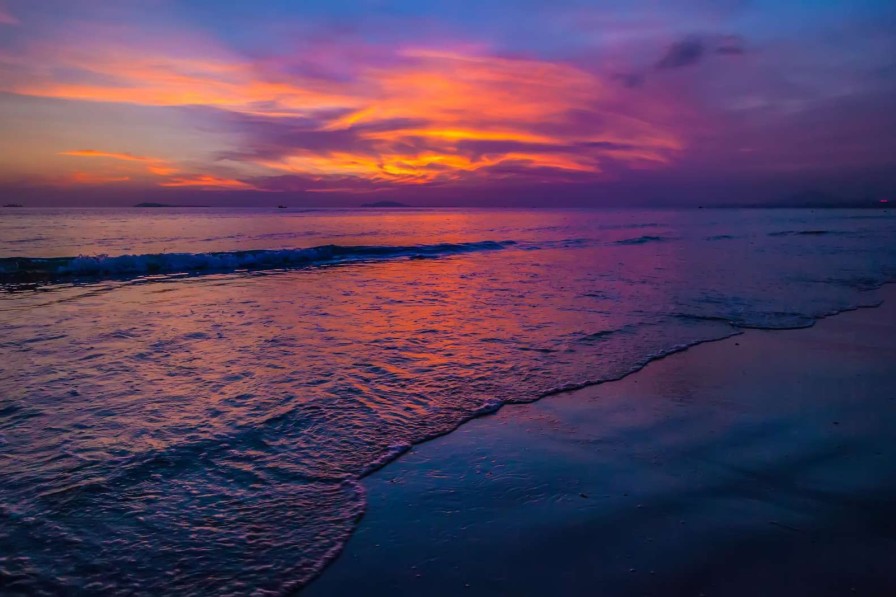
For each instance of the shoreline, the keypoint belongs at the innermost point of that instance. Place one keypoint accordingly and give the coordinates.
(738, 330)
(407, 474)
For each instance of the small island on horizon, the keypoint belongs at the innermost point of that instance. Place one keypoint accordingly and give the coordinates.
(385, 204)
(153, 204)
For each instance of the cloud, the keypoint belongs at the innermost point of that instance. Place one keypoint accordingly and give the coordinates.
(682, 53)
(693, 49)
(89, 178)
(155, 166)
(6, 18)
(408, 117)
(730, 45)
(93, 153)
(630, 80)
(100, 71)
(291, 99)
(438, 117)
(209, 182)
(168, 173)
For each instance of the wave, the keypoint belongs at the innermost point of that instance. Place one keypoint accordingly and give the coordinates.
(14, 270)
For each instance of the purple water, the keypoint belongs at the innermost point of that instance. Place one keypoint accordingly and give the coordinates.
(195, 418)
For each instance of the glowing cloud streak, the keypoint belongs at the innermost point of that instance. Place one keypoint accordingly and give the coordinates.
(420, 117)
(172, 175)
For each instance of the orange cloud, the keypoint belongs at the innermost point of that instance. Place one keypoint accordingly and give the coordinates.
(157, 167)
(458, 135)
(93, 153)
(88, 178)
(450, 89)
(517, 111)
(424, 167)
(421, 117)
(209, 182)
(151, 78)
(161, 170)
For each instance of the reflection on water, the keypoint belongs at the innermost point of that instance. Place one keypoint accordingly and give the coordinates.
(206, 434)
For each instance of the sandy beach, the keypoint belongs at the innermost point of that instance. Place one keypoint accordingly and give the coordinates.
(760, 464)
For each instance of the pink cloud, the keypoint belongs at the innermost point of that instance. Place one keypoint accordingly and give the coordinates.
(6, 17)
(414, 116)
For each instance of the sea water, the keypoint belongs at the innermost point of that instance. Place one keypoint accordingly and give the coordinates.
(189, 397)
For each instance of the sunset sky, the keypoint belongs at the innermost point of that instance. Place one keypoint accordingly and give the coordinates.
(487, 102)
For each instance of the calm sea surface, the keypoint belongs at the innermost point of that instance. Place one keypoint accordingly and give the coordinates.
(189, 397)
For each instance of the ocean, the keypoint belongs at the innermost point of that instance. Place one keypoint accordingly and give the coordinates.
(189, 397)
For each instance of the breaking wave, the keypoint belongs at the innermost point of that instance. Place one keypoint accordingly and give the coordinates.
(29, 269)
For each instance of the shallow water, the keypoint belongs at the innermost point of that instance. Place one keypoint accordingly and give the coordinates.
(199, 424)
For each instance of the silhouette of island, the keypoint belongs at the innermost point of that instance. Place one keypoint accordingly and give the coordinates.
(152, 204)
(384, 204)
(814, 199)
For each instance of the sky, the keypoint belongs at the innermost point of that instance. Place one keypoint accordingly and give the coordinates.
(487, 102)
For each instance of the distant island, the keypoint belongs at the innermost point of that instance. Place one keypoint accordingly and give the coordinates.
(822, 199)
(151, 204)
(384, 204)
(13, 205)
(818, 200)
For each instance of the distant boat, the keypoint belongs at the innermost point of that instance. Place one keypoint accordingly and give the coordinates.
(13, 205)
(281, 207)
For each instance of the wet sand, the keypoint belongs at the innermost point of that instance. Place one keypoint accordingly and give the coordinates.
(764, 464)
